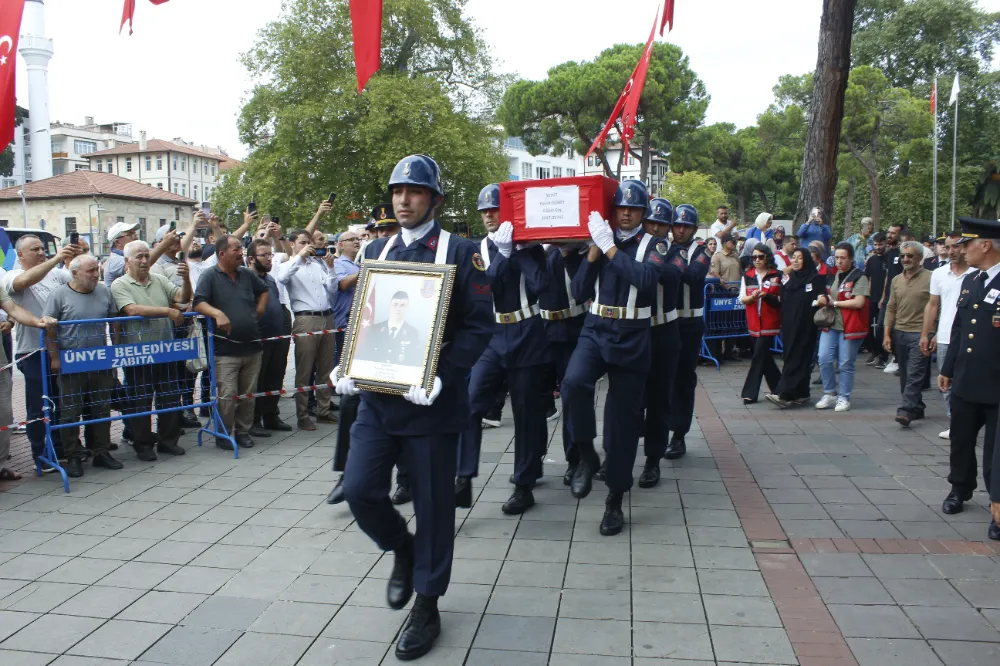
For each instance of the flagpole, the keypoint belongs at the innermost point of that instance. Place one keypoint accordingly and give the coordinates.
(934, 214)
(954, 167)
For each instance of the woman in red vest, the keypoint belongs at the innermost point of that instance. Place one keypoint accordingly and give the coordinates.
(849, 296)
(759, 293)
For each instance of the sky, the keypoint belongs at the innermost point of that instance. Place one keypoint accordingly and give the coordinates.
(180, 74)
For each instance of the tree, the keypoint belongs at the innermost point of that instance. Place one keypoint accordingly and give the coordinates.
(312, 134)
(696, 189)
(819, 162)
(569, 108)
(7, 155)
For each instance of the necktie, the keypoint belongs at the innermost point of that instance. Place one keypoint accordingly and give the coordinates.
(981, 278)
(392, 332)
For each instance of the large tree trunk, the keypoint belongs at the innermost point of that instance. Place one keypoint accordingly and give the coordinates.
(833, 64)
(876, 199)
(741, 204)
(849, 209)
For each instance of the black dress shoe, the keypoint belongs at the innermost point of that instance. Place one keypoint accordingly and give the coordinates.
(903, 420)
(953, 503)
(583, 475)
(568, 475)
(400, 586)
(420, 631)
(463, 492)
(73, 467)
(994, 532)
(402, 495)
(189, 420)
(650, 473)
(244, 441)
(277, 425)
(614, 519)
(336, 495)
(520, 501)
(258, 431)
(171, 449)
(112, 446)
(602, 472)
(223, 443)
(105, 460)
(145, 453)
(675, 449)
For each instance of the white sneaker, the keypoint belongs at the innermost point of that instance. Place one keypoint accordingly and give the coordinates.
(843, 405)
(827, 401)
(491, 423)
(891, 368)
(945, 434)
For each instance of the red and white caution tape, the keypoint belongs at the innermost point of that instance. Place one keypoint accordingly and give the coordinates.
(283, 337)
(15, 362)
(22, 423)
(268, 394)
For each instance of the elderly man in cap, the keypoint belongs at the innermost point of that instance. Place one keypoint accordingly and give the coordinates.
(119, 235)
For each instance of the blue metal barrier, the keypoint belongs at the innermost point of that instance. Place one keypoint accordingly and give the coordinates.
(725, 316)
(85, 361)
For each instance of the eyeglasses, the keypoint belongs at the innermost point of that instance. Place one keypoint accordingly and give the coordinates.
(759, 257)
(908, 255)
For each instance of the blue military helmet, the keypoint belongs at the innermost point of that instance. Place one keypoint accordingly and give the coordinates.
(686, 214)
(489, 197)
(417, 170)
(660, 211)
(631, 194)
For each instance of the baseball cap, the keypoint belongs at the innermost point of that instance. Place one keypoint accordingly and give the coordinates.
(119, 228)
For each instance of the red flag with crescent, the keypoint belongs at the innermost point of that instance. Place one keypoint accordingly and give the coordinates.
(128, 11)
(668, 16)
(366, 29)
(367, 316)
(10, 28)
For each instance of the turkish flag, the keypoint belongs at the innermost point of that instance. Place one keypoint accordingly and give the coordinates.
(638, 82)
(366, 28)
(668, 16)
(129, 10)
(934, 98)
(10, 28)
(367, 317)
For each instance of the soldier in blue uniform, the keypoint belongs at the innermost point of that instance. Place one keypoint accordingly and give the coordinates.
(666, 342)
(615, 341)
(518, 349)
(689, 256)
(421, 427)
(563, 316)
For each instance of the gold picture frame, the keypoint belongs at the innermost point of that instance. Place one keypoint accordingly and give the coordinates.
(396, 328)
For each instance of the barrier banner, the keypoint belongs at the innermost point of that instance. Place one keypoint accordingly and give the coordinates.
(91, 359)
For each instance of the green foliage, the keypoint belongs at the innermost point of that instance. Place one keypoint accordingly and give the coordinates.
(7, 155)
(312, 133)
(697, 189)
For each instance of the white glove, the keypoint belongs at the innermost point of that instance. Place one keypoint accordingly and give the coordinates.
(418, 396)
(504, 239)
(343, 385)
(601, 232)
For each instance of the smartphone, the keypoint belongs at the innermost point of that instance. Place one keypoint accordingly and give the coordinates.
(74, 238)
(252, 207)
(173, 225)
(276, 219)
(333, 197)
(319, 252)
(206, 208)
(180, 255)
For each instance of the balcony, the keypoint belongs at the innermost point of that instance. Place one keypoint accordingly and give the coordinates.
(57, 156)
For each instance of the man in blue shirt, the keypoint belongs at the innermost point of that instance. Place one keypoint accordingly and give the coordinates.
(815, 228)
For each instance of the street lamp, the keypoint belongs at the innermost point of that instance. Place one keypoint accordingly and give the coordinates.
(96, 242)
(24, 207)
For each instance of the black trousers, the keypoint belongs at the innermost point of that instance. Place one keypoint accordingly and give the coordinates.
(561, 353)
(273, 363)
(692, 329)
(967, 418)
(666, 340)
(348, 415)
(762, 368)
(165, 382)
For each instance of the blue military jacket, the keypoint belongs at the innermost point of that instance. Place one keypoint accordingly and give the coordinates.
(466, 334)
(623, 342)
(557, 295)
(693, 264)
(669, 285)
(516, 283)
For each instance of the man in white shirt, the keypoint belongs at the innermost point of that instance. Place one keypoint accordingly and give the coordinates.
(946, 286)
(310, 283)
(723, 225)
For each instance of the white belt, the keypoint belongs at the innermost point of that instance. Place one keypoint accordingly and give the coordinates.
(514, 317)
(690, 313)
(620, 312)
(664, 318)
(565, 313)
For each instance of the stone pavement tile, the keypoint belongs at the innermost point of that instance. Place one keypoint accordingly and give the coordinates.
(487, 549)
(71, 660)
(56, 633)
(253, 535)
(462, 598)
(792, 496)
(264, 585)
(227, 557)
(550, 512)
(717, 502)
(11, 622)
(856, 590)
(840, 496)
(544, 530)
(481, 657)
(664, 579)
(521, 550)
(507, 632)
(173, 552)
(152, 528)
(457, 632)
(164, 607)
(99, 601)
(869, 529)
(834, 564)
(230, 515)
(191, 646)
(646, 554)
(892, 652)
(992, 616)
(535, 574)
(69, 545)
(711, 518)
(594, 577)
(648, 516)
(523, 601)
(354, 541)
(292, 560)
(223, 612)
(120, 639)
(854, 511)
(680, 641)
(756, 645)
(365, 624)
(202, 532)
(958, 653)
(966, 567)
(716, 557)
(741, 611)
(488, 528)
(937, 529)
(198, 580)
(332, 563)
(596, 604)
(371, 592)
(873, 622)
(329, 651)
(121, 548)
(901, 566)
(592, 637)
(182, 512)
(274, 517)
(265, 650)
(294, 618)
(31, 567)
(800, 511)
(723, 581)
(924, 592)
(320, 589)
(601, 553)
(911, 513)
(812, 529)
(716, 536)
(652, 534)
(103, 526)
(952, 624)
(668, 608)
(20, 658)
(139, 575)
(40, 597)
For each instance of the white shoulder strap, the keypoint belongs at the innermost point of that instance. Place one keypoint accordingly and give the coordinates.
(441, 255)
(484, 249)
(640, 255)
(387, 247)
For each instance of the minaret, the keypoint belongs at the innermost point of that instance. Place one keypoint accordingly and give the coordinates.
(36, 50)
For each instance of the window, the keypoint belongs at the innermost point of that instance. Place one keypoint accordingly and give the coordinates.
(175, 163)
(100, 165)
(213, 169)
(84, 147)
(8, 182)
(184, 189)
(557, 172)
(206, 169)
(543, 173)
(590, 160)
(149, 163)
(81, 167)
(4, 223)
(119, 219)
(159, 186)
(159, 162)
(175, 188)
(570, 153)
(110, 170)
(70, 224)
(183, 164)
(571, 173)
(194, 166)
(128, 165)
(526, 170)
(177, 213)
(162, 221)
(194, 192)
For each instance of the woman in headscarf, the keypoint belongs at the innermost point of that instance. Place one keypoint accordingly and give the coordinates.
(799, 291)
(761, 229)
(759, 292)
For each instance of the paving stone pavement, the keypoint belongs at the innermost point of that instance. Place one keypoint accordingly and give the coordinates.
(781, 538)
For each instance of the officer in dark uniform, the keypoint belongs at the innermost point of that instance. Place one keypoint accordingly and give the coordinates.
(972, 368)
(384, 223)
(689, 256)
(518, 350)
(564, 317)
(666, 343)
(421, 427)
(393, 340)
(615, 341)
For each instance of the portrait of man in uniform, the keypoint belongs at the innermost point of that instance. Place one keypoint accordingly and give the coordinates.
(394, 340)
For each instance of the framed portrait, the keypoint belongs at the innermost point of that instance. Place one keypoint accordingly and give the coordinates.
(397, 324)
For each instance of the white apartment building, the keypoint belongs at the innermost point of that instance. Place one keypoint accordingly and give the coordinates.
(173, 166)
(630, 167)
(522, 165)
